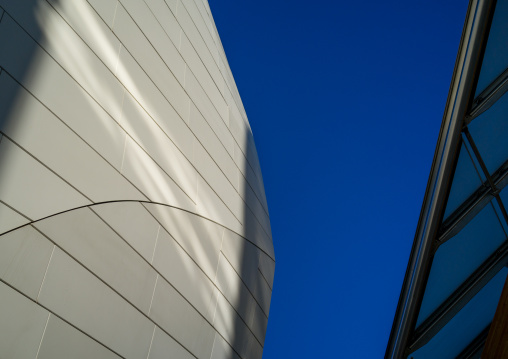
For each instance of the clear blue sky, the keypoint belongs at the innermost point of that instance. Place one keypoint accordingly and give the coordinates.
(345, 99)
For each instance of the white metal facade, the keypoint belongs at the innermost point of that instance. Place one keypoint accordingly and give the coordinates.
(133, 218)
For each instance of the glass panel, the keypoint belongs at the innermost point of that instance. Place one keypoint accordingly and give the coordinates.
(490, 134)
(467, 324)
(465, 182)
(495, 60)
(458, 258)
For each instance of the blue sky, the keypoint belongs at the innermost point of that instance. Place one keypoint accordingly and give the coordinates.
(345, 100)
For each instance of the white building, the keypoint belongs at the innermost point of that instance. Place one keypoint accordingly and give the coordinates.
(133, 218)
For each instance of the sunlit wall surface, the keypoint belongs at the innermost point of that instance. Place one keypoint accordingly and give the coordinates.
(133, 219)
(459, 264)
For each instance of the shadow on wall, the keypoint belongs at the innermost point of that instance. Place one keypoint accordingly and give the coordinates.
(23, 62)
(257, 270)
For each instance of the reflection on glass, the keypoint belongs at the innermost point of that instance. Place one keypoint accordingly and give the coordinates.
(495, 60)
(458, 258)
(467, 324)
(489, 132)
(465, 182)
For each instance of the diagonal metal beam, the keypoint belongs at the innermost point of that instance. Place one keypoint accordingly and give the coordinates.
(455, 302)
(475, 348)
(472, 206)
(488, 97)
(464, 214)
(490, 180)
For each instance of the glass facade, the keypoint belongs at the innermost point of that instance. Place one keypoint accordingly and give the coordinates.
(457, 268)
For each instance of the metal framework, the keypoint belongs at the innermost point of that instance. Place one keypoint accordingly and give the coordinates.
(472, 206)
(455, 302)
(431, 232)
(488, 97)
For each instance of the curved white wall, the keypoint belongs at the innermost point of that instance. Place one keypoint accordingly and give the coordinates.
(133, 219)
